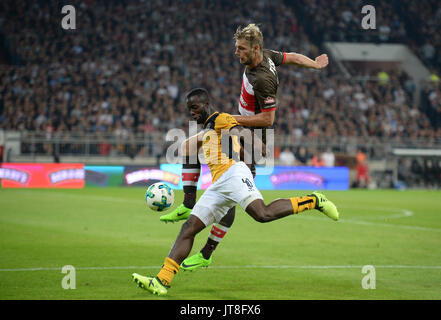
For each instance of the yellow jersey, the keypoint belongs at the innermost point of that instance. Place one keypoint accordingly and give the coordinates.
(221, 151)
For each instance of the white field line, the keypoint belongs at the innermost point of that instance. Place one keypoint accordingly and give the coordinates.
(232, 267)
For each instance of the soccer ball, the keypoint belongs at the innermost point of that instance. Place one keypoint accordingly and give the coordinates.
(159, 196)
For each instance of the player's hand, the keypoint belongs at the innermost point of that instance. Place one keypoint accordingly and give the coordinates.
(322, 61)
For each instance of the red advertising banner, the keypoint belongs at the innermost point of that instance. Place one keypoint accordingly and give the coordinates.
(42, 175)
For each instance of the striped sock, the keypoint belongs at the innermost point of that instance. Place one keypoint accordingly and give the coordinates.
(218, 232)
(300, 204)
(216, 235)
(190, 177)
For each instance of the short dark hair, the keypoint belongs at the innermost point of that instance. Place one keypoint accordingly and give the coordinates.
(198, 92)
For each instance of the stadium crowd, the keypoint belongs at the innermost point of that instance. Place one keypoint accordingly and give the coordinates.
(415, 23)
(126, 66)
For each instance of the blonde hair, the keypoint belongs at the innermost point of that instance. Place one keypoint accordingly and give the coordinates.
(250, 33)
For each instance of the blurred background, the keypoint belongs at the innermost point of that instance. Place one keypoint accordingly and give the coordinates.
(107, 92)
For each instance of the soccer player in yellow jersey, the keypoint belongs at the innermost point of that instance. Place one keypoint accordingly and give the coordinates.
(232, 184)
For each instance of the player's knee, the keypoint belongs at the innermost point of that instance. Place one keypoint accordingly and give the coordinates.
(228, 219)
(258, 211)
(188, 229)
(191, 227)
(262, 217)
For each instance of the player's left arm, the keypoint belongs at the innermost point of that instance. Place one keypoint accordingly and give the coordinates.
(301, 60)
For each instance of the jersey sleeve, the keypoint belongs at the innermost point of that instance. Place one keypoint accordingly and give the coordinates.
(265, 93)
(277, 57)
(225, 121)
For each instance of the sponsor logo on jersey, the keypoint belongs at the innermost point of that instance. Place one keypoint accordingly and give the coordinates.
(269, 100)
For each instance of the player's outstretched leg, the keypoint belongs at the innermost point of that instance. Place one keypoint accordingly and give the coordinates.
(283, 207)
(325, 206)
(179, 251)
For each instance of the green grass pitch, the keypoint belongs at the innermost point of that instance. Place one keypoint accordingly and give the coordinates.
(106, 234)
